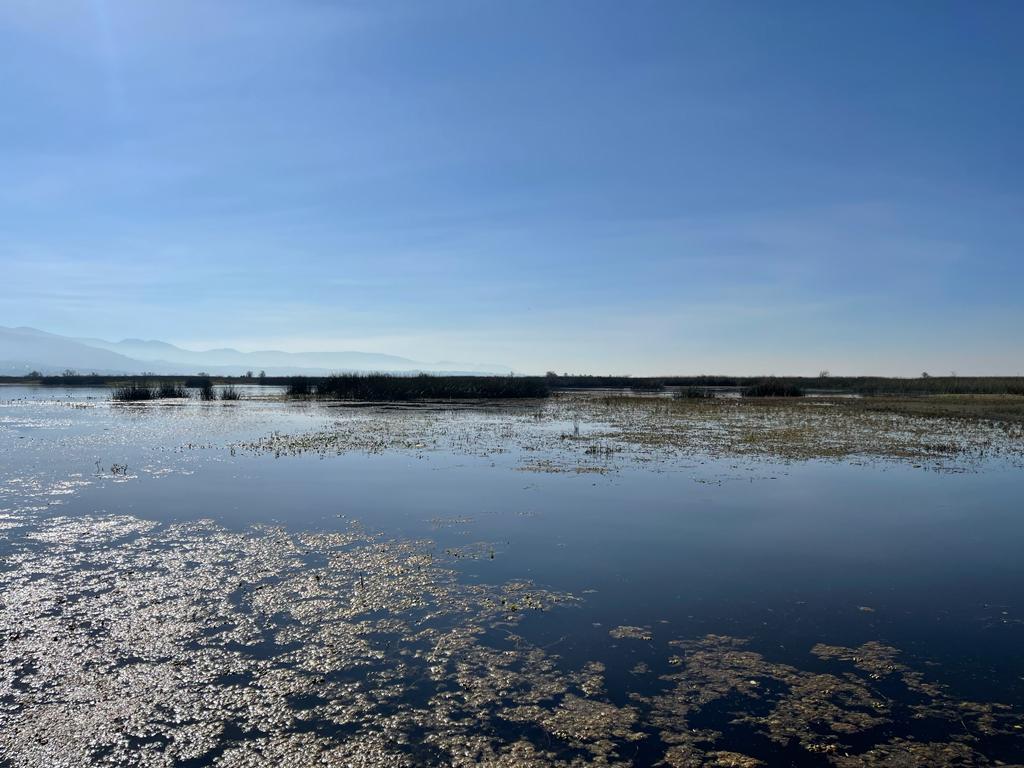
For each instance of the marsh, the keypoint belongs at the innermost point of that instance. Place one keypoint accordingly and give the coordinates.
(591, 579)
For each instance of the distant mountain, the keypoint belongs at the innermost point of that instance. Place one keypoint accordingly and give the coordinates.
(23, 350)
(26, 349)
(266, 359)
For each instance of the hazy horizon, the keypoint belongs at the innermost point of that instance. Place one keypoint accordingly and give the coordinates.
(316, 362)
(705, 187)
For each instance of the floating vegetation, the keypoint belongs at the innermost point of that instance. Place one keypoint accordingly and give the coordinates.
(476, 551)
(599, 434)
(630, 429)
(809, 428)
(841, 715)
(450, 522)
(128, 642)
(630, 633)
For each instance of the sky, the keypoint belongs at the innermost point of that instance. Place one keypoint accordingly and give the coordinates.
(571, 185)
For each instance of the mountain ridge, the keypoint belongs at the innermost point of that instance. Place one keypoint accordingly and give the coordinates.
(23, 349)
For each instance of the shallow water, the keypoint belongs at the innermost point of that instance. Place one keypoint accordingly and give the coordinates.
(465, 585)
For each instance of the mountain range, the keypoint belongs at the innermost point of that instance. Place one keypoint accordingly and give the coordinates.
(23, 350)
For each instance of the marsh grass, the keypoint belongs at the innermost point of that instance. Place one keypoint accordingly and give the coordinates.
(773, 388)
(171, 389)
(863, 385)
(571, 381)
(204, 385)
(383, 387)
(142, 391)
(694, 393)
(1006, 409)
(299, 386)
(230, 393)
(134, 392)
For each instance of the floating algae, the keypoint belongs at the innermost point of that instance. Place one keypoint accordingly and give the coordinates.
(630, 633)
(127, 642)
(837, 715)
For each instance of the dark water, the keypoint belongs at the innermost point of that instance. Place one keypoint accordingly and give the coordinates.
(785, 555)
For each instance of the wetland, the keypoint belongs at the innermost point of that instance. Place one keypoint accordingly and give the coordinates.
(605, 578)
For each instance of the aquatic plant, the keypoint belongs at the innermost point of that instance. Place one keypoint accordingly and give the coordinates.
(822, 384)
(268, 648)
(299, 386)
(618, 429)
(773, 387)
(694, 393)
(573, 381)
(205, 386)
(171, 389)
(134, 392)
(230, 393)
(424, 386)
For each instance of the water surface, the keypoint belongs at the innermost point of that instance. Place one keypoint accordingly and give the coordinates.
(531, 597)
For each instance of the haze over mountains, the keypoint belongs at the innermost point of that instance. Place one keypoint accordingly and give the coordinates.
(27, 349)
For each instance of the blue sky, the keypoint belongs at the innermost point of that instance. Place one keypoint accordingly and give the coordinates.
(649, 187)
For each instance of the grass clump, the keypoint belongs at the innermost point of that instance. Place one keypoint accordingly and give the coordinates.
(140, 391)
(230, 393)
(169, 389)
(134, 392)
(773, 388)
(299, 386)
(204, 385)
